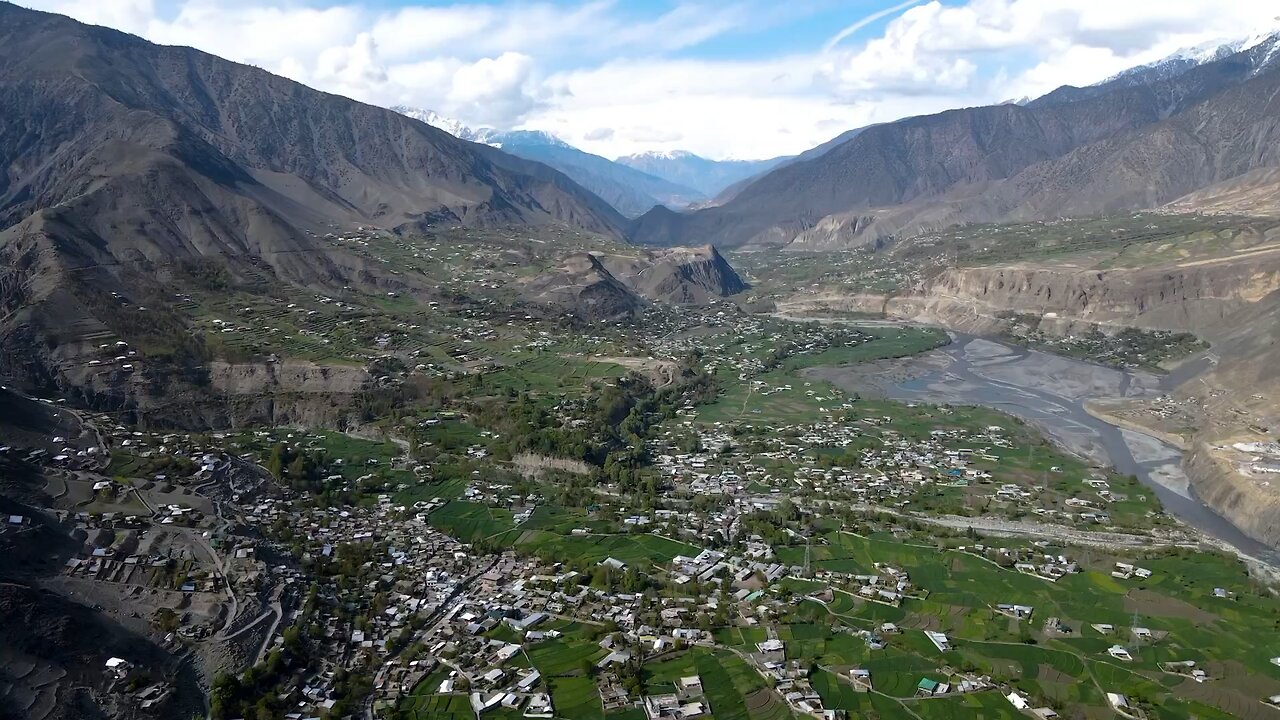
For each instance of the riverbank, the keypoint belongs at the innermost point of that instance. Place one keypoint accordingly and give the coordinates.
(1053, 393)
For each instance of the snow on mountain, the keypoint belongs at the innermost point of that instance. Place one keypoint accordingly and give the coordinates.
(699, 173)
(1265, 43)
(486, 135)
(661, 155)
(455, 128)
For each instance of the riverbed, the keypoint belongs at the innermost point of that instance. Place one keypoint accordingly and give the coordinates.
(1050, 392)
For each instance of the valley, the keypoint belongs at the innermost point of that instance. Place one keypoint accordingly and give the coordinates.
(508, 495)
(315, 409)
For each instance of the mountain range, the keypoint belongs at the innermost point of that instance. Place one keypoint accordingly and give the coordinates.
(709, 177)
(632, 184)
(1142, 139)
(630, 191)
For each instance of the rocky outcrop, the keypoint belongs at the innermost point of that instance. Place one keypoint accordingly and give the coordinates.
(583, 287)
(683, 276)
(296, 377)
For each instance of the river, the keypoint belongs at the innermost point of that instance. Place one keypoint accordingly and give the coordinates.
(1050, 391)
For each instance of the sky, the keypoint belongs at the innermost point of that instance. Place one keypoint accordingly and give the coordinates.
(741, 79)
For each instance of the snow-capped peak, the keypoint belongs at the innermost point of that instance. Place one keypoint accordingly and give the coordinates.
(515, 138)
(455, 128)
(1189, 57)
(486, 135)
(663, 155)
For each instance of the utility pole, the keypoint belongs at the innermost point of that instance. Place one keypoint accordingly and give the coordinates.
(1137, 641)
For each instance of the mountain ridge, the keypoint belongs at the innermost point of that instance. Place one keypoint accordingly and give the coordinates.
(993, 163)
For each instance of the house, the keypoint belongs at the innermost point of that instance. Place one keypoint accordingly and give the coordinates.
(528, 682)
(930, 688)
(1021, 612)
(939, 640)
(771, 646)
(539, 706)
(1119, 653)
(657, 707)
(480, 704)
(118, 666)
(861, 679)
(691, 685)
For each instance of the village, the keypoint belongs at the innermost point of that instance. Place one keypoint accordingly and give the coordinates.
(427, 622)
(760, 544)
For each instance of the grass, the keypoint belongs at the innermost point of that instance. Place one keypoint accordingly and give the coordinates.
(470, 521)
(641, 549)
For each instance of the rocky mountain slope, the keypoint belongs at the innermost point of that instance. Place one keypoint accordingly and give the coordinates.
(630, 191)
(123, 162)
(733, 190)
(610, 286)
(1116, 146)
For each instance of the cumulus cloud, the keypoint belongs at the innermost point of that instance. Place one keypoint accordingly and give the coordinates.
(617, 77)
(935, 48)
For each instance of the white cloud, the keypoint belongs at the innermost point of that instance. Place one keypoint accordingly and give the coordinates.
(352, 70)
(935, 47)
(494, 90)
(268, 36)
(615, 79)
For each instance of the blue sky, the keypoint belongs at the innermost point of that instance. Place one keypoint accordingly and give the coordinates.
(730, 78)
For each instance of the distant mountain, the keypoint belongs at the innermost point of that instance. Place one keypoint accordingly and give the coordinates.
(1187, 58)
(709, 177)
(630, 191)
(455, 128)
(1165, 69)
(1121, 145)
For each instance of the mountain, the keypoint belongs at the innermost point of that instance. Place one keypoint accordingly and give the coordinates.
(1187, 58)
(1113, 147)
(630, 191)
(708, 177)
(818, 150)
(122, 162)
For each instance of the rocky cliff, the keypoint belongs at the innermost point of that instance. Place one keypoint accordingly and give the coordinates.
(1196, 297)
